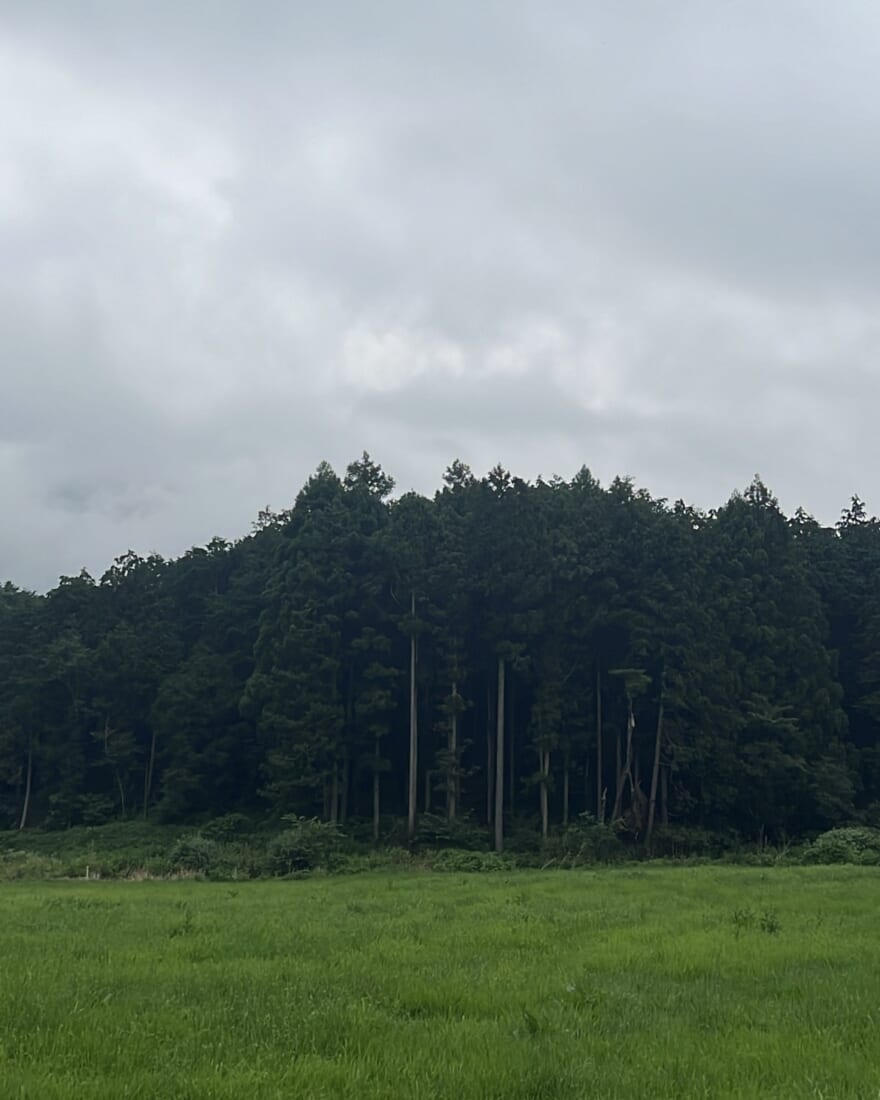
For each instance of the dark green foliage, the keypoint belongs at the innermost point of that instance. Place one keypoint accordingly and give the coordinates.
(586, 842)
(856, 844)
(684, 842)
(195, 853)
(105, 851)
(435, 831)
(700, 681)
(228, 827)
(305, 845)
(450, 859)
(203, 855)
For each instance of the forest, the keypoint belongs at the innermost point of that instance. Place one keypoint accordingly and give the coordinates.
(509, 653)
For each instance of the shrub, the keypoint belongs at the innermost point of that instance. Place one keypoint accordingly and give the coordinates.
(686, 842)
(457, 860)
(853, 844)
(195, 853)
(435, 831)
(524, 838)
(306, 845)
(228, 827)
(754, 857)
(28, 865)
(585, 841)
(395, 856)
(84, 809)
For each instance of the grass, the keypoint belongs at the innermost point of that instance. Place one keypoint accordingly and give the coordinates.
(639, 982)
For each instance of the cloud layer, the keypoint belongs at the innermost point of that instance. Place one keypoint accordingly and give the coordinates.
(236, 239)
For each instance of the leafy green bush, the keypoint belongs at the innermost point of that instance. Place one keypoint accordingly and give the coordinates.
(200, 854)
(457, 860)
(765, 856)
(228, 827)
(686, 842)
(435, 831)
(585, 842)
(195, 853)
(853, 844)
(123, 838)
(108, 851)
(81, 809)
(871, 815)
(395, 856)
(16, 865)
(306, 845)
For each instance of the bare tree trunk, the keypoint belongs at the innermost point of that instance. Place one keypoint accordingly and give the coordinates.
(121, 793)
(664, 796)
(452, 781)
(27, 787)
(347, 734)
(148, 773)
(343, 805)
(545, 808)
(355, 797)
(334, 795)
(566, 775)
(626, 769)
(511, 744)
(499, 762)
(600, 800)
(655, 775)
(490, 759)
(413, 728)
(376, 792)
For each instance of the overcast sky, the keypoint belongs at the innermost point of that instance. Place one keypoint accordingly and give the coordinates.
(240, 237)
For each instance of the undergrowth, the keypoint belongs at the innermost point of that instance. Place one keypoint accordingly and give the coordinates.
(235, 848)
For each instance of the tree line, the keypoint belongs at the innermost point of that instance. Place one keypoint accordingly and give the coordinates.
(509, 653)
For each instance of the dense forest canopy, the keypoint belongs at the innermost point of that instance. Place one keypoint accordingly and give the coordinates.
(508, 652)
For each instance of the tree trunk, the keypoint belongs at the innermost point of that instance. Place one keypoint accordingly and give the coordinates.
(429, 775)
(655, 775)
(334, 795)
(545, 808)
(343, 805)
(566, 774)
(490, 759)
(121, 793)
(348, 736)
(355, 794)
(27, 787)
(626, 769)
(499, 762)
(664, 796)
(511, 744)
(413, 728)
(148, 773)
(600, 799)
(452, 780)
(376, 793)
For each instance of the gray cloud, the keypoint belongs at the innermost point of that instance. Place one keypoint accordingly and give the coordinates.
(237, 239)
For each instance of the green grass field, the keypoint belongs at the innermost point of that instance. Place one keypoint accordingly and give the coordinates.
(640, 982)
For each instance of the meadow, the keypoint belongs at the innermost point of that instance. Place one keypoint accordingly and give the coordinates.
(650, 981)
